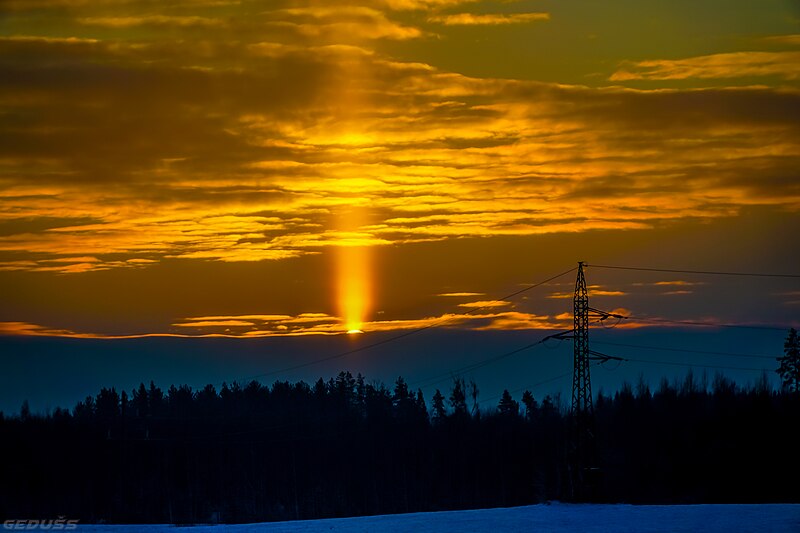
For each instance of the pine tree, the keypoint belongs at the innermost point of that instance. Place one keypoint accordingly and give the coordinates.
(473, 393)
(421, 408)
(155, 399)
(84, 411)
(507, 406)
(25, 411)
(320, 390)
(458, 397)
(401, 393)
(402, 401)
(789, 370)
(139, 401)
(438, 406)
(531, 405)
(107, 409)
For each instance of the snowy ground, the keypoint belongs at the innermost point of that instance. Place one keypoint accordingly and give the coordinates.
(544, 518)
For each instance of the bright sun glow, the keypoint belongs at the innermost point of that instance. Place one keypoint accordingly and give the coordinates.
(354, 269)
(353, 286)
(354, 276)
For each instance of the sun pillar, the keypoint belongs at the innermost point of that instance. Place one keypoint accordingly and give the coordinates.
(354, 271)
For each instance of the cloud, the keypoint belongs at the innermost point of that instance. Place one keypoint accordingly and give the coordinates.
(594, 290)
(481, 304)
(59, 5)
(152, 20)
(461, 294)
(214, 324)
(600, 292)
(34, 330)
(47, 40)
(422, 4)
(515, 321)
(303, 325)
(259, 325)
(244, 143)
(262, 318)
(340, 23)
(496, 19)
(715, 66)
(788, 40)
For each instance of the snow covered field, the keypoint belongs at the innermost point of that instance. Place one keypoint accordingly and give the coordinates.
(534, 518)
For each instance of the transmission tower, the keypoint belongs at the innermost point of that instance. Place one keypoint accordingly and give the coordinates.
(583, 468)
(581, 382)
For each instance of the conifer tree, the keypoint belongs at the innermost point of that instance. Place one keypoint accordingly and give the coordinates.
(531, 405)
(789, 370)
(438, 406)
(458, 397)
(507, 406)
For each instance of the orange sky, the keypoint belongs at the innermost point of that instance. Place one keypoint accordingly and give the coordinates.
(253, 168)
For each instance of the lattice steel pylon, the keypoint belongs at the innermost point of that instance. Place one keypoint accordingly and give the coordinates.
(581, 382)
(582, 463)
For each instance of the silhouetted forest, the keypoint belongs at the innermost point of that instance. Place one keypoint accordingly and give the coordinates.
(348, 447)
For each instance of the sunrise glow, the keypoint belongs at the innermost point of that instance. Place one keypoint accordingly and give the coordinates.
(353, 268)
(353, 286)
(177, 160)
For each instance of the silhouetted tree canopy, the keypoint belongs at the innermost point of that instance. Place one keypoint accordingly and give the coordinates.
(789, 369)
(348, 446)
(507, 406)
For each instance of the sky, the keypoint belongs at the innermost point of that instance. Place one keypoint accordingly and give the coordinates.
(270, 170)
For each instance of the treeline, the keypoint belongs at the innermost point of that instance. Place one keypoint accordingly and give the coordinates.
(346, 447)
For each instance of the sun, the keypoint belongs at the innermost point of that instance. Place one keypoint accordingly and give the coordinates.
(354, 331)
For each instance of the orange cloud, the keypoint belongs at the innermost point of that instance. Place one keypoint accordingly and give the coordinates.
(263, 318)
(214, 324)
(594, 290)
(245, 141)
(790, 40)
(727, 65)
(341, 23)
(496, 19)
(485, 303)
(155, 20)
(27, 329)
(312, 324)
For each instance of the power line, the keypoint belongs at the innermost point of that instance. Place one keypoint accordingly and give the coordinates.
(683, 350)
(703, 272)
(533, 386)
(480, 364)
(538, 384)
(432, 325)
(705, 324)
(673, 363)
(689, 322)
(434, 380)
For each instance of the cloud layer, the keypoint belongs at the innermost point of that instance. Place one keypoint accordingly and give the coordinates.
(240, 152)
(137, 132)
(719, 66)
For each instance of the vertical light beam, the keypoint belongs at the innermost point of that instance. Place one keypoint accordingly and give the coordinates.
(354, 286)
(354, 269)
(353, 272)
